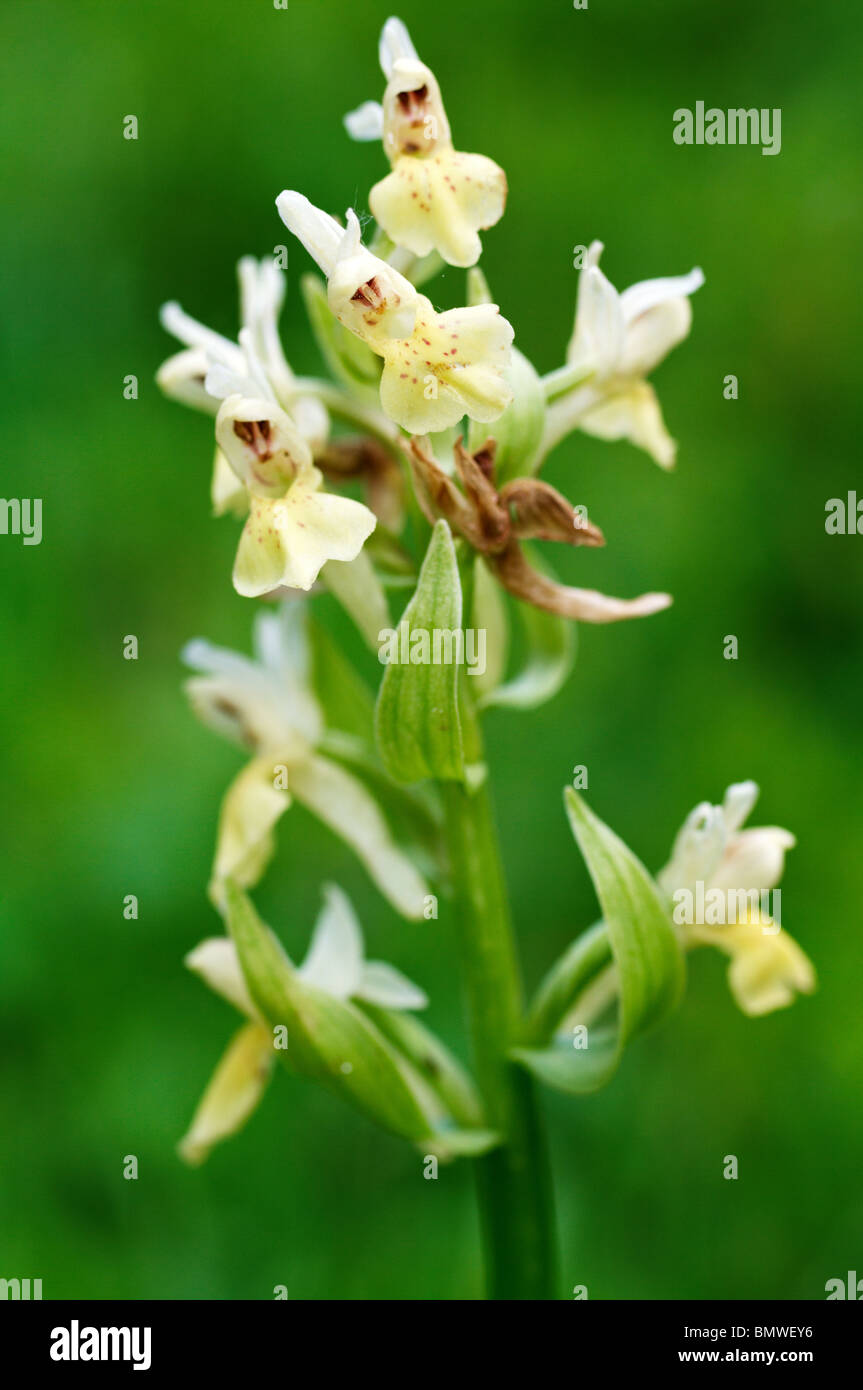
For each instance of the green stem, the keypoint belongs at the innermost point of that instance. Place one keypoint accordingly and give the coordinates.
(514, 1180)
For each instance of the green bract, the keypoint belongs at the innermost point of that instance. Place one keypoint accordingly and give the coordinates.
(417, 721)
(647, 958)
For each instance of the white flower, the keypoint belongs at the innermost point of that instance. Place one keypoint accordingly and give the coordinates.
(335, 963)
(437, 367)
(211, 367)
(617, 341)
(767, 966)
(436, 198)
(267, 706)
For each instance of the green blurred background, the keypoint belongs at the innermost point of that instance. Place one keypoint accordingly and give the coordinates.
(110, 786)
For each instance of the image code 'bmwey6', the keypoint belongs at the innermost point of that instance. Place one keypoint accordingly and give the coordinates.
(440, 680)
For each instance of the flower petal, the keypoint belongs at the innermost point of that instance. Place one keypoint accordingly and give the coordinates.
(384, 985)
(183, 376)
(233, 1092)
(697, 850)
(633, 414)
(366, 122)
(769, 973)
(288, 540)
(343, 804)
(395, 43)
(754, 859)
(366, 294)
(737, 804)
(262, 445)
(217, 963)
(440, 202)
(257, 708)
(335, 957)
(453, 365)
(651, 336)
(227, 493)
(598, 336)
(641, 298)
(320, 234)
(245, 842)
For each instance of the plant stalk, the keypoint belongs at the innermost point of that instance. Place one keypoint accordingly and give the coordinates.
(514, 1181)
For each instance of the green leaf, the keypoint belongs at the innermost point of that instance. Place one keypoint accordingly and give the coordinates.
(417, 721)
(329, 1040)
(550, 642)
(647, 956)
(349, 359)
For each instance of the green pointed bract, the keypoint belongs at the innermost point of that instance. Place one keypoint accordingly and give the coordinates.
(647, 957)
(434, 1062)
(417, 721)
(329, 1040)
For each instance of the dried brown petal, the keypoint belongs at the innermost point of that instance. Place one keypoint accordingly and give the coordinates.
(539, 512)
(438, 495)
(585, 605)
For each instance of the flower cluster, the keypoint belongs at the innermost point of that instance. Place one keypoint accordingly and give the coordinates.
(443, 425)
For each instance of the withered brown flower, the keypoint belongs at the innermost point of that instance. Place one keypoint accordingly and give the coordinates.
(496, 521)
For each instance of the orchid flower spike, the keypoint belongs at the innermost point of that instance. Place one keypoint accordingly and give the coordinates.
(335, 963)
(767, 967)
(435, 198)
(617, 341)
(437, 367)
(266, 705)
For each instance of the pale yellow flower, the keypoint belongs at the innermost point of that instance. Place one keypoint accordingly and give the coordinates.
(267, 706)
(436, 198)
(293, 527)
(617, 341)
(767, 968)
(212, 367)
(437, 367)
(335, 963)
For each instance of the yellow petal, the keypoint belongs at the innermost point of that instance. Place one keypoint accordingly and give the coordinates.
(287, 540)
(768, 974)
(440, 203)
(453, 365)
(634, 414)
(250, 810)
(233, 1093)
(342, 802)
(767, 966)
